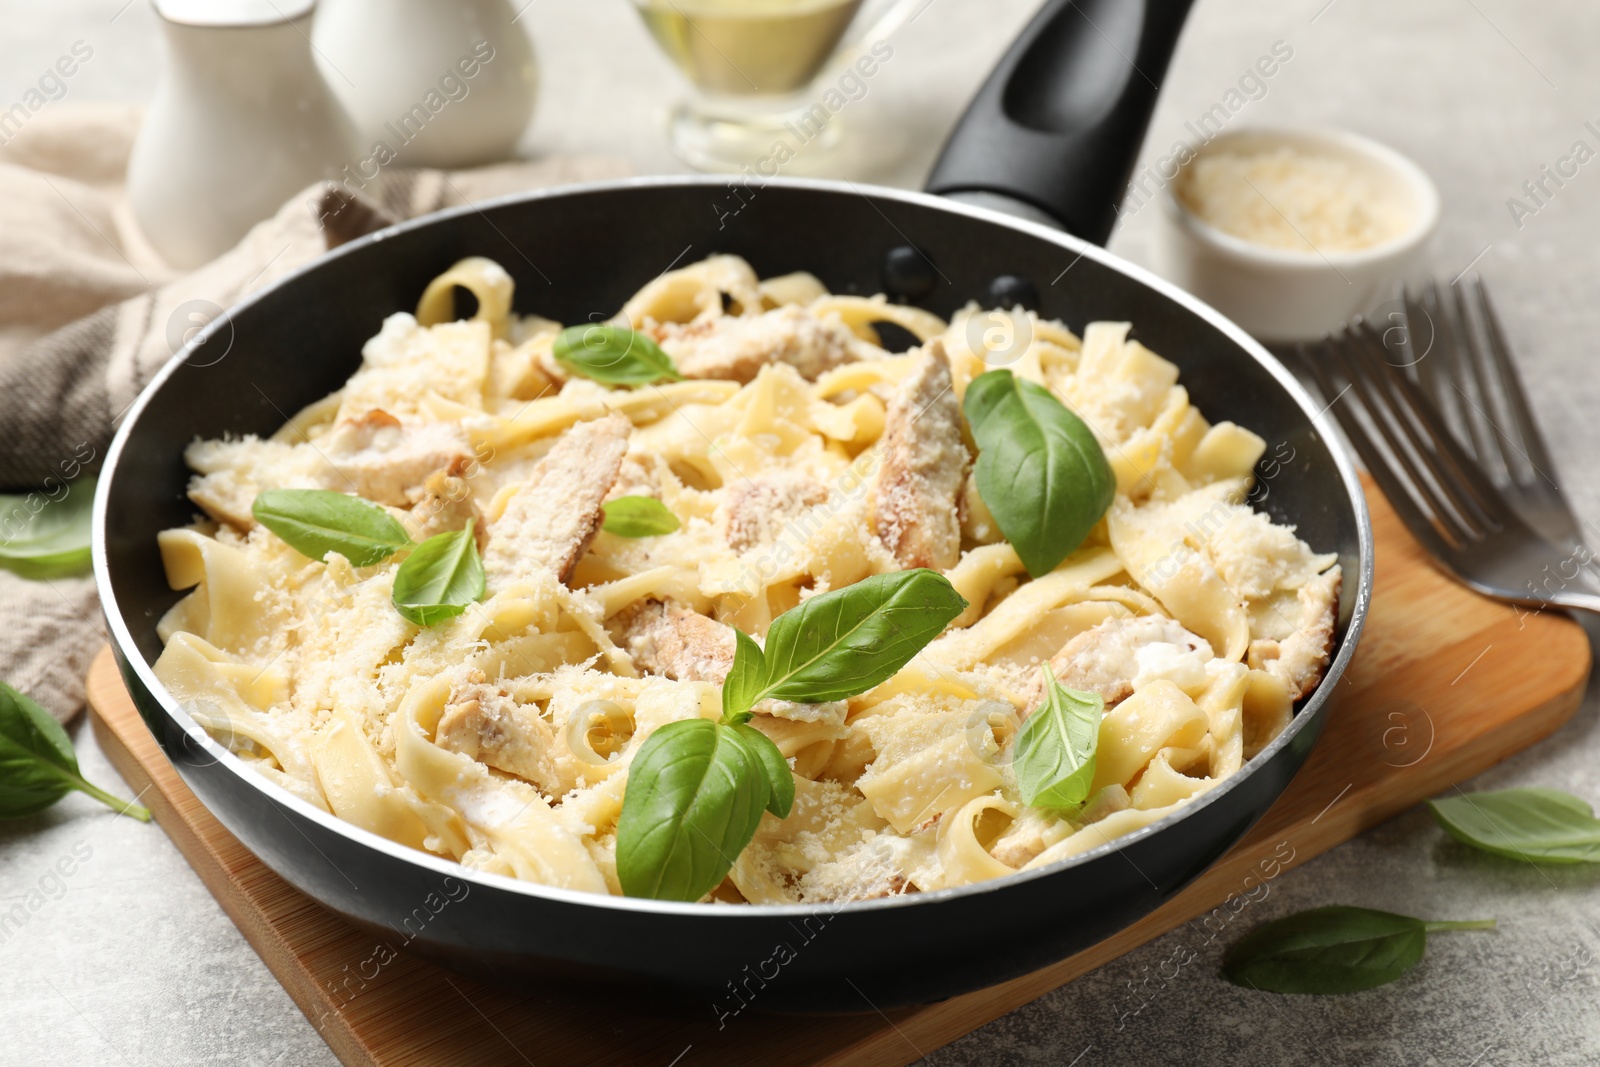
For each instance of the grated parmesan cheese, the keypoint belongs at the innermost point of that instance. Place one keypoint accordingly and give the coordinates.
(1284, 198)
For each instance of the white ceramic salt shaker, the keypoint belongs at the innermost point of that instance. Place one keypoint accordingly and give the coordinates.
(429, 83)
(241, 121)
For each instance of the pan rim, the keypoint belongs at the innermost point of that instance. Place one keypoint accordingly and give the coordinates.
(1321, 423)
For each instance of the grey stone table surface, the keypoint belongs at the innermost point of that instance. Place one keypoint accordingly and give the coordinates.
(130, 961)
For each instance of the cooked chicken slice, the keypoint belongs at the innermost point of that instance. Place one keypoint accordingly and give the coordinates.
(551, 518)
(1119, 655)
(756, 510)
(482, 721)
(445, 505)
(1300, 659)
(385, 460)
(672, 640)
(924, 466)
(1025, 838)
(376, 456)
(736, 348)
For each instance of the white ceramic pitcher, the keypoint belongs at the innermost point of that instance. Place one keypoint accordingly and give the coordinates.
(432, 83)
(241, 121)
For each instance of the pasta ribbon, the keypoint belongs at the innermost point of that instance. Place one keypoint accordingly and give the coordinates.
(511, 816)
(485, 279)
(796, 456)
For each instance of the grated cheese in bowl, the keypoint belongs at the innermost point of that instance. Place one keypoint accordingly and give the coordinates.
(1286, 198)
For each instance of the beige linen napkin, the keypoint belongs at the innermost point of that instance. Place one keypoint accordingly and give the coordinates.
(89, 312)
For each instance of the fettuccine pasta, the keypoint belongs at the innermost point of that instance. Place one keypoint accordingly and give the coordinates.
(798, 455)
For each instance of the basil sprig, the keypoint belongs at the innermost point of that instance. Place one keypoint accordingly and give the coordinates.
(1040, 470)
(1054, 754)
(1543, 825)
(440, 578)
(697, 788)
(613, 355)
(37, 764)
(435, 582)
(45, 538)
(315, 522)
(638, 516)
(839, 644)
(1337, 949)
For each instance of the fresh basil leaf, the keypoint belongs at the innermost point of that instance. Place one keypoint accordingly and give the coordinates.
(1337, 949)
(780, 780)
(694, 797)
(45, 538)
(1054, 754)
(440, 578)
(613, 355)
(638, 516)
(839, 644)
(1040, 470)
(315, 522)
(1543, 825)
(37, 764)
(742, 686)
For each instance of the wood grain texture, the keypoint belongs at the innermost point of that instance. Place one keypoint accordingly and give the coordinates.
(1439, 690)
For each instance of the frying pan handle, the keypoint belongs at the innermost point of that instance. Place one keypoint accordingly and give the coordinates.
(1059, 123)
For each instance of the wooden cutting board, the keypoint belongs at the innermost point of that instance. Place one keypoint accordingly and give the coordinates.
(1444, 685)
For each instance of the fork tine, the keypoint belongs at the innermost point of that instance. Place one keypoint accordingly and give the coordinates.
(1313, 356)
(1400, 493)
(1431, 365)
(1463, 476)
(1460, 481)
(1528, 440)
(1394, 335)
(1439, 370)
(1480, 412)
(1400, 460)
(1451, 399)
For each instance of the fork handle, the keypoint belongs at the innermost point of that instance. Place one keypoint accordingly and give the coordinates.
(1576, 599)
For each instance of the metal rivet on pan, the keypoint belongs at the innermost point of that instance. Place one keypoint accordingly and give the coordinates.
(907, 273)
(1008, 291)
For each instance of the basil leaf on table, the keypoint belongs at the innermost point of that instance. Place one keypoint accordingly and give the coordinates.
(637, 516)
(842, 643)
(695, 795)
(1545, 825)
(45, 538)
(1054, 754)
(315, 522)
(613, 355)
(1338, 949)
(37, 764)
(440, 578)
(1040, 470)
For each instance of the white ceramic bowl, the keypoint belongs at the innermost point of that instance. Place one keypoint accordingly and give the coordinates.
(1282, 295)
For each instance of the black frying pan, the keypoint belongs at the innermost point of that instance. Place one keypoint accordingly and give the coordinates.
(578, 253)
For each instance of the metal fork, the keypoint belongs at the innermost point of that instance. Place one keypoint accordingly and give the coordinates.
(1457, 352)
(1378, 390)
